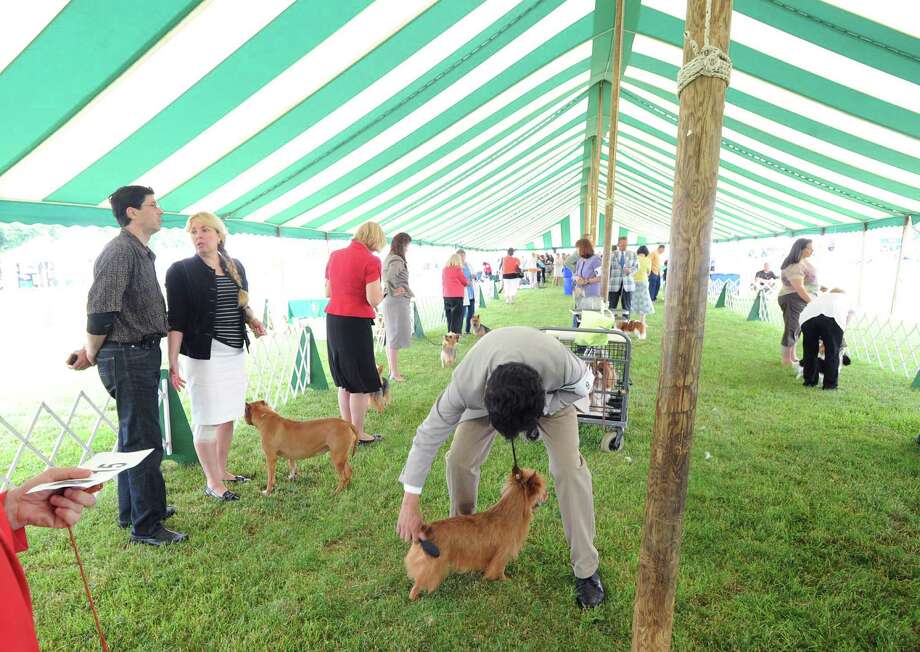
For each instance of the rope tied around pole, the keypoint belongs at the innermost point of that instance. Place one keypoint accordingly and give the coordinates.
(708, 61)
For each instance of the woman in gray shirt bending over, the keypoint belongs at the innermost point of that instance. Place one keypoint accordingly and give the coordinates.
(397, 305)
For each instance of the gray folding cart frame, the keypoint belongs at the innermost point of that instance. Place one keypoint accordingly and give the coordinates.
(609, 400)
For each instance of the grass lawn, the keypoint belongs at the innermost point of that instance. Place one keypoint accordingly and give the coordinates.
(802, 529)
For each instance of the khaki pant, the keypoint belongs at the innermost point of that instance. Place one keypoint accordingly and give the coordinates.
(472, 441)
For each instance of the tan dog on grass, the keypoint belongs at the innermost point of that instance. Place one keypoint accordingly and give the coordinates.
(298, 440)
(449, 349)
(480, 542)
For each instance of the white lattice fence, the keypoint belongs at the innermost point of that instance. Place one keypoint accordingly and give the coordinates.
(279, 364)
(278, 368)
(891, 344)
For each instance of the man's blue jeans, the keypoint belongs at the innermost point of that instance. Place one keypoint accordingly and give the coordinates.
(131, 375)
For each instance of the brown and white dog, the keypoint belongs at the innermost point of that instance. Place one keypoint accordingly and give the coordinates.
(449, 349)
(480, 542)
(298, 440)
(633, 326)
(605, 379)
(477, 327)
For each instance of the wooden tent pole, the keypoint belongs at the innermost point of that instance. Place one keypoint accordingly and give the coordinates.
(699, 132)
(905, 234)
(616, 66)
(596, 161)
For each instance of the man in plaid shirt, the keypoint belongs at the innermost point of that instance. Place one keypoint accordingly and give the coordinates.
(623, 265)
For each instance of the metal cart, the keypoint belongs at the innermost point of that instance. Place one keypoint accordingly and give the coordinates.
(610, 362)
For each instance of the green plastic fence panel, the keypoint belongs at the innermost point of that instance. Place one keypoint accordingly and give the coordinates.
(419, 331)
(495, 289)
(317, 379)
(721, 302)
(757, 308)
(916, 383)
(183, 448)
(482, 298)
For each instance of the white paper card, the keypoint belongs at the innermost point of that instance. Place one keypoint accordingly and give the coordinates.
(104, 466)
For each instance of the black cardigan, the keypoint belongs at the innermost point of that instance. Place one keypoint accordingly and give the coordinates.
(191, 292)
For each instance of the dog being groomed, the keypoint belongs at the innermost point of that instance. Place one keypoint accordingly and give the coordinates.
(298, 440)
(485, 542)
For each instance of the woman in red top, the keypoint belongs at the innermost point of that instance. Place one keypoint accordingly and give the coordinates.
(354, 290)
(454, 284)
(511, 276)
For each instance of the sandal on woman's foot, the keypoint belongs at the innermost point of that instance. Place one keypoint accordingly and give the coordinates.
(398, 379)
(375, 439)
(226, 496)
(237, 478)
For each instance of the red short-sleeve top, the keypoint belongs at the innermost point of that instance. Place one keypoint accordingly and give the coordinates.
(348, 271)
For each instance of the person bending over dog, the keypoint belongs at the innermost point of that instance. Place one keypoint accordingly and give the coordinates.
(493, 389)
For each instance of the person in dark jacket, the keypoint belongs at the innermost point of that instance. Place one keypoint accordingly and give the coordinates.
(208, 297)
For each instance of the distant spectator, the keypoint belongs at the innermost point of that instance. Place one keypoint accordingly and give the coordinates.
(765, 278)
(654, 275)
(532, 270)
(823, 321)
(469, 296)
(641, 301)
(623, 265)
(397, 303)
(453, 285)
(511, 276)
(587, 277)
(800, 285)
(558, 266)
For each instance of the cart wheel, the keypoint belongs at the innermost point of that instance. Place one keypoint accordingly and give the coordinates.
(612, 441)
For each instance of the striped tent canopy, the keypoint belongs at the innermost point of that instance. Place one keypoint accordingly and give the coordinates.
(460, 121)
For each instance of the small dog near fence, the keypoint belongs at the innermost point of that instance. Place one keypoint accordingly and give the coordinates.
(449, 349)
(480, 542)
(477, 327)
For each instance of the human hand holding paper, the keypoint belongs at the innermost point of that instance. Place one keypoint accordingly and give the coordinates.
(102, 466)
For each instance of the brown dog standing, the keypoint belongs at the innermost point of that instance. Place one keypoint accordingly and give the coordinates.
(480, 542)
(298, 440)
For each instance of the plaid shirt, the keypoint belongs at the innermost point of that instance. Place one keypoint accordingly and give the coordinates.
(621, 274)
(125, 283)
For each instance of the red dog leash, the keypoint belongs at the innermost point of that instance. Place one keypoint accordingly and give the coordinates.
(89, 595)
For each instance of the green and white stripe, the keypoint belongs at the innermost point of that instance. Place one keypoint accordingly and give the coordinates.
(462, 122)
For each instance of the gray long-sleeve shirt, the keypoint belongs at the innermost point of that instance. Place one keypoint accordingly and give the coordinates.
(396, 275)
(566, 379)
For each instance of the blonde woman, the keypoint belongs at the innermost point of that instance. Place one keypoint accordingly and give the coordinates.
(354, 290)
(453, 284)
(208, 297)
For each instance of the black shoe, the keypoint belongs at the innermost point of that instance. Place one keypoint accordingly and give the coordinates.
(170, 512)
(589, 592)
(162, 537)
(226, 496)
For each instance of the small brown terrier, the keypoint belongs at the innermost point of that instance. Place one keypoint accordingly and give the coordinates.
(298, 440)
(480, 542)
(449, 349)
(477, 327)
(381, 398)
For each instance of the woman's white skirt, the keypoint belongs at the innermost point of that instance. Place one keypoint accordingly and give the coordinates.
(511, 286)
(216, 387)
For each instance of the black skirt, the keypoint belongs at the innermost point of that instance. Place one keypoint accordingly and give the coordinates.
(350, 346)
